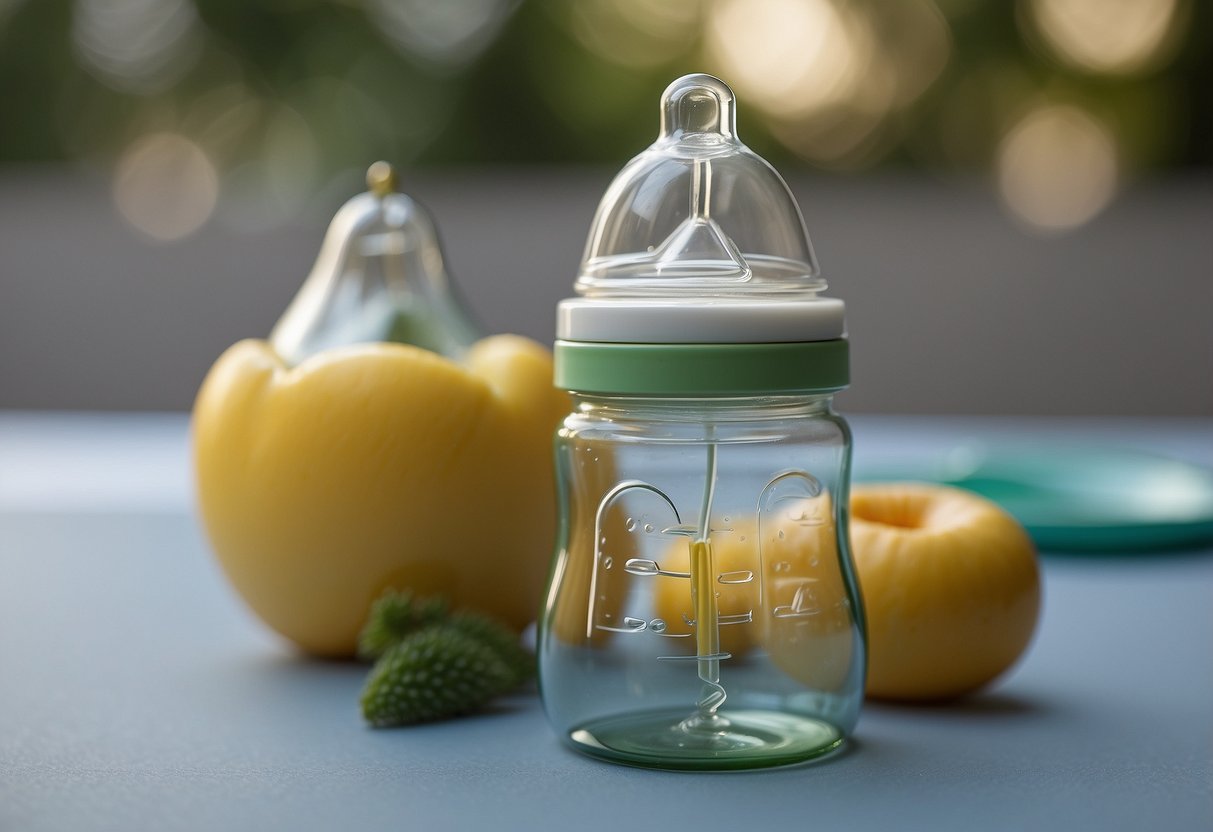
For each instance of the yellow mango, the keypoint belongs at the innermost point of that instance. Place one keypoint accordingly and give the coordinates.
(373, 466)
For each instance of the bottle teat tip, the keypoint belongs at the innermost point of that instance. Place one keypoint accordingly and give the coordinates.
(698, 103)
(381, 179)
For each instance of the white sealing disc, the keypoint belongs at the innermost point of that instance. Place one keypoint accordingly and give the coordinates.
(715, 321)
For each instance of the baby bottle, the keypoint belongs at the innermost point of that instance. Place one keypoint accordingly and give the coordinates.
(702, 610)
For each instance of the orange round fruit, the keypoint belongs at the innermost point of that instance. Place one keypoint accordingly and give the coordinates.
(950, 586)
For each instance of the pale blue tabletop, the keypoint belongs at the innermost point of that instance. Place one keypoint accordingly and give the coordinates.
(137, 693)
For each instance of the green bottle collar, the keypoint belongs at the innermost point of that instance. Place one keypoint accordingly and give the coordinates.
(702, 369)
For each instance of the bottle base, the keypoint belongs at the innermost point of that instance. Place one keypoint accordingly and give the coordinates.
(672, 739)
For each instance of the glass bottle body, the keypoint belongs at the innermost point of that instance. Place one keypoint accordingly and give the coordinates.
(702, 610)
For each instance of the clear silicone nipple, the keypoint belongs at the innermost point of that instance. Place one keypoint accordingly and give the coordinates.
(698, 213)
(698, 109)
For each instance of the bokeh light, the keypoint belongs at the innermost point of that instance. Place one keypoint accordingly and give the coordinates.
(449, 33)
(287, 99)
(789, 58)
(916, 40)
(7, 7)
(1108, 36)
(136, 46)
(1057, 168)
(636, 33)
(165, 186)
(273, 185)
(223, 118)
(830, 75)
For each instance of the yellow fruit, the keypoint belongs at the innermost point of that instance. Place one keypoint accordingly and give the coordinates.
(797, 601)
(374, 466)
(577, 570)
(950, 585)
(731, 553)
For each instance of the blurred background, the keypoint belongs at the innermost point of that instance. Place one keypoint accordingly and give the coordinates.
(1014, 198)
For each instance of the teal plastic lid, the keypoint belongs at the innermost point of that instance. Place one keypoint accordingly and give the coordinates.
(1080, 499)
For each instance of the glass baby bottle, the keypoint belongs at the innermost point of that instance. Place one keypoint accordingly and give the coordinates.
(702, 610)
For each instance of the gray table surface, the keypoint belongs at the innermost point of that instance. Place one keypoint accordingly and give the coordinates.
(137, 693)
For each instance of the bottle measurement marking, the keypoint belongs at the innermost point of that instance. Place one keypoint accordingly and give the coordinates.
(649, 568)
(646, 568)
(638, 625)
(741, 576)
(803, 604)
(658, 626)
(733, 618)
(601, 539)
(715, 657)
